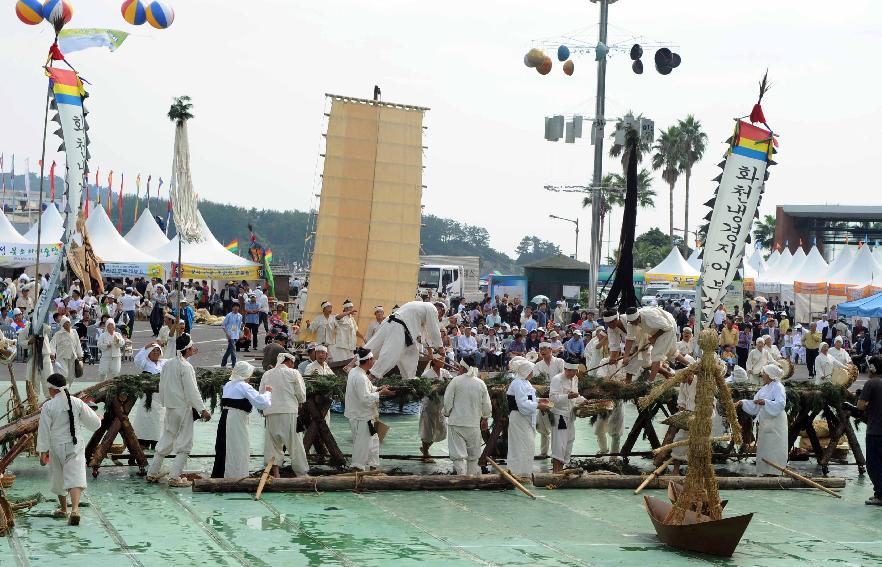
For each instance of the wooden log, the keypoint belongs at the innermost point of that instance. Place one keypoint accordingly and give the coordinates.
(653, 475)
(264, 477)
(801, 478)
(853, 442)
(18, 428)
(507, 475)
(23, 443)
(348, 483)
(128, 432)
(669, 438)
(110, 436)
(633, 481)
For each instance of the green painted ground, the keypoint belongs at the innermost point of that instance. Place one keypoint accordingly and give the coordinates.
(130, 522)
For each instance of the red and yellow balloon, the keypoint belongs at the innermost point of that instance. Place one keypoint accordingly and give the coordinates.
(134, 12)
(29, 12)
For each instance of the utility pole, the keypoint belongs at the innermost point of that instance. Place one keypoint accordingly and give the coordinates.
(575, 221)
(599, 123)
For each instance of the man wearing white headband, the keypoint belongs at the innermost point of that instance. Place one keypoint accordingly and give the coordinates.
(467, 407)
(62, 445)
(768, 406)
(232, 446)
(825, 364)
(361, 409)
(147, 422)
(289, 391)
(524, 406)
(67, 350)
(838, 352)
(564, 394)
(545, 369)
(773, 350)
(433, 426)
(379, 315)
(757, 359)
(617, 332)
(594, 349)
(346, 334)
(654, 333)
(183, 403)
(396, 341)
(111, 344)
(322, 325)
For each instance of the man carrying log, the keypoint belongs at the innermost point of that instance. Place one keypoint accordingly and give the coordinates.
(548, 366)
(467, 407)
(183, 405)
(61, 419)
(361, 409)
(564, 394)
(395, 342)
(289, 392)
(652, 334)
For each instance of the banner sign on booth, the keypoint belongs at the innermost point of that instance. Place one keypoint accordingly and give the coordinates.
(216, 272)
(14, 255)
(117, 270)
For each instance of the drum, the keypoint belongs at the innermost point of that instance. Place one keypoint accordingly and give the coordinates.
(845, 376)
(787, 366)
(532, 356)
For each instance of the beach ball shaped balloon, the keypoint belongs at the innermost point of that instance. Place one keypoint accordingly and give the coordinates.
(134, 12)
(57, 12)
(29, 11)
(160, 14)
(545, 67)
(569, 67)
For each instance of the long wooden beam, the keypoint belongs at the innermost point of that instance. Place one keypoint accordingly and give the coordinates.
(351, 483)
(633, 481)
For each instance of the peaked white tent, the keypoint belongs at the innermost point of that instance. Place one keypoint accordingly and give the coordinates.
(694, 259)
(674, 268)
(769, 280)
(773, 259)
(813, 269)
(52, 227)
(877, 254)
(207, 259)
(863, 270)
(146, 235)
(756, 262)
(8, 234)
(840, 261)
(120, 258)
(810, 286)
(794, 267)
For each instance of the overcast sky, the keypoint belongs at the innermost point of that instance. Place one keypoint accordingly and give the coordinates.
(258, 71)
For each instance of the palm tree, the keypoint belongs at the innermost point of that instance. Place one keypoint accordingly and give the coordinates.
(668, 157)
(180, 109)
(617, 150)
(612, 194)
(764, 231)
(694, 142)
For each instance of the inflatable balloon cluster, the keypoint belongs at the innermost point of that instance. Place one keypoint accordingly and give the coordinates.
(536, 59)
(157, 13)
(56, 12)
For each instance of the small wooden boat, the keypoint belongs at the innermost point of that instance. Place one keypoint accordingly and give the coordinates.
(701, 534)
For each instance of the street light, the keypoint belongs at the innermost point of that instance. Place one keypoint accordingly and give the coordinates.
(575, 222)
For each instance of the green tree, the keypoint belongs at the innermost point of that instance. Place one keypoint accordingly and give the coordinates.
(180, 110)
(532, 248)
(651, 247)
(617, 150)
(694, 142)
(764, 231)
(668, 157)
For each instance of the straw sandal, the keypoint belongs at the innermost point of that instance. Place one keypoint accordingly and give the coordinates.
(59, 513)
(74, 519)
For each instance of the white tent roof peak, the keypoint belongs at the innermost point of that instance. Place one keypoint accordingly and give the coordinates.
(674, 265)
(756, 262)
(813, 269)
(52, 228)
(8, 234)
(840, 261)
(209, 252)
(776, 272)
(863, 270)
(145, 234)
(109, 244)
(694, 259)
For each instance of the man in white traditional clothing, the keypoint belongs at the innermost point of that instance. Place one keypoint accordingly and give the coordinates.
(168, 332)
(524, 406)
(346, 334)
(67, 349)
(544, 369)
(396, 341)
(617, 333)
(232, 446)
(310, 358)
(147, 422)
(612, 425)
(467, 407)
(652, 336)
(61, 444)
(770, 346)
(38, 371)
(183, 404)
(757, 360)
(289, 391)
(111, 344)
(840, 353)
(564, 394)
(322, 326)
(361, 409)
(319, 366)
(594, 350)
(433, 426)
(825, 364)
(768, 406)
(379, 315)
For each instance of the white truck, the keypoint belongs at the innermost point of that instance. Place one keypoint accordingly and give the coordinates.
(455, 276)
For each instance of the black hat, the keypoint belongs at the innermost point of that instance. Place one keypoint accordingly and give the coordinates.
(57, 380)
(183, 342)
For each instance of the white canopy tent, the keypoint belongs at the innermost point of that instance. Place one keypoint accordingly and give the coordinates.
(756, 262)
(774, 281)
(146, 235)
(840, 261)
(674, 268)
(52, 228)
(773, 259)
(8, 234)
(120, 258)
(863, 270)
(877, 254)
(810, 286)
(694, 259)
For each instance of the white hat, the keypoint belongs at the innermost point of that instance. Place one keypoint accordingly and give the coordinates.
(242, 371)
(610, 316)
(544, 344)
(838, 339)
(773, 371)
(822, 345)
(524, 368)
(632, 315)
(577, 332)
(347, 304)
(326, 304)
(379, 309)
(760, 340)
(282, 356)
(554, 334)
(16, 311)
(321, 348)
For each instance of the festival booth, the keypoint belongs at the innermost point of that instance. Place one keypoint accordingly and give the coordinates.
(862, 277)
(119, 258)
(810, 286)
(775, 279)
(675, 269)
(864, 307)
(51, 226)
(206, 260)
(146, 235)
(17, 251)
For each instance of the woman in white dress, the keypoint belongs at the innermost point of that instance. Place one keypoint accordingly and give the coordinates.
(757, 360)
(147, 422)
(524, 406)
(68, 349)
(768, 406)
(825, 364)
(111, 344)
